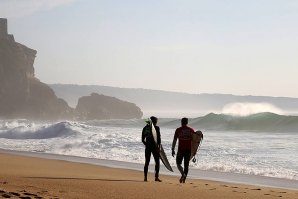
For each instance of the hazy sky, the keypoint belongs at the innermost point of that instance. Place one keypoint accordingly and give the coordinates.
(197, 46)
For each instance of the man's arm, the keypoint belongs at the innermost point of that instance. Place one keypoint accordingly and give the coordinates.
(143, 136)
(158, 136)
(174, 143)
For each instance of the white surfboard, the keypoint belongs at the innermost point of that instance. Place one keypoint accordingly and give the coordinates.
(162, 154)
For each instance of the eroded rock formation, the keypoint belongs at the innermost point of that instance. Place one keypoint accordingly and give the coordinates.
(102, 107)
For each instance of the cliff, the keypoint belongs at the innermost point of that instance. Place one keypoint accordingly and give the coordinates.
(102, 107)
(22, 95)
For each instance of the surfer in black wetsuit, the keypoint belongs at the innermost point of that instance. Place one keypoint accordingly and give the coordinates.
(151, 147)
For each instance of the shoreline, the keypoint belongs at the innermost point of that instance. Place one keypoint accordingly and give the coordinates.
(22, 176)
(244, 179)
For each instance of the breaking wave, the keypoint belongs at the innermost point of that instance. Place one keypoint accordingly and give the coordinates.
(245, 109)
(260, 122)
(21, 129)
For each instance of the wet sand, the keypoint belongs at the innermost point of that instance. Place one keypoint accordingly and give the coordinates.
(31, 177)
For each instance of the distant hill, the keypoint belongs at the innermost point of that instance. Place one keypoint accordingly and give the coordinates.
(170, 104)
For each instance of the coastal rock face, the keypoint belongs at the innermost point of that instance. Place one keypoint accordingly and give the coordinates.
(99, 107)
(21, 94)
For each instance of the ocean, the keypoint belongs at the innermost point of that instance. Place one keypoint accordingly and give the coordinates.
(271, 154)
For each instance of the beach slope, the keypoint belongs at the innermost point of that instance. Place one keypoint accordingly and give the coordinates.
(30, 177)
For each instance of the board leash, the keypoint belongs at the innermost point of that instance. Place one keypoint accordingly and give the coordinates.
(194, 160)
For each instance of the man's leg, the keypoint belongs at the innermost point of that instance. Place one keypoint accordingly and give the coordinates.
(186, 163)
(157, 165)
(179, 159)
(147, 161)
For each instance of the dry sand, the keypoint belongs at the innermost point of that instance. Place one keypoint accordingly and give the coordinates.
(28, 177)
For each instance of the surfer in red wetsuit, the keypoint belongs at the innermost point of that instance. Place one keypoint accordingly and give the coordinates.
(151, 147)
(184, 134)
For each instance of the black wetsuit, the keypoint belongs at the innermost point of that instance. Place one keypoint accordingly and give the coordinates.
(151, 147)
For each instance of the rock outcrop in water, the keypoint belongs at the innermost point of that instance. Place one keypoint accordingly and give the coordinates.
(22, 95)
(102, 107)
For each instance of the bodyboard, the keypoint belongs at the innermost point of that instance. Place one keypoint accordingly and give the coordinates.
(196, 140)
(162, 153)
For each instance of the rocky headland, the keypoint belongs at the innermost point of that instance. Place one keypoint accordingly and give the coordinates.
(22, 95)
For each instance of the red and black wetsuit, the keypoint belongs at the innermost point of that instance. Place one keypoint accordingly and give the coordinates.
(184, 135)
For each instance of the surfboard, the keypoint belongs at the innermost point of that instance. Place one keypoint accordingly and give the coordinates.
(196, 140)
(162, 153)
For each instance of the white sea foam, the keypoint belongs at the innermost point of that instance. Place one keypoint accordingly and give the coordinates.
(245, 109)
(265, 154)
(31, 131)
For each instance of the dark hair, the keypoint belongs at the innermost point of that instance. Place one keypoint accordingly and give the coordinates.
(153, 119)
(184, 121)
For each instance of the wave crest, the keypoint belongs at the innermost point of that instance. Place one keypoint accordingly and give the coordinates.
(260, 122)
(245, 109)
(62, 129)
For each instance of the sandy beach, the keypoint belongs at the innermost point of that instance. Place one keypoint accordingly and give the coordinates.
(31, 177)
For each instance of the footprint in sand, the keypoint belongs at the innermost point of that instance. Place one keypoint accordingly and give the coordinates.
(5, 195)
(224, 185)
(30, 194)
(206, 184)
(61, 191)
(234, 187)
(212, 189)
(257, 189)
(15, 194)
